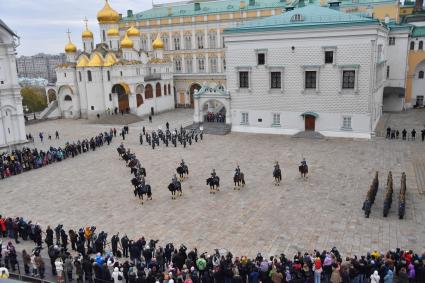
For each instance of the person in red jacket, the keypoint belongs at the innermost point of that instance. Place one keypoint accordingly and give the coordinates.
(2, 226)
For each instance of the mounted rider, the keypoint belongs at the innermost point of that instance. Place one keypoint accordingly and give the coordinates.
(303, 162)
(276, 167)
(237, 170)
(142, 181)
(183, 165)
(174, 181)
(213, 174)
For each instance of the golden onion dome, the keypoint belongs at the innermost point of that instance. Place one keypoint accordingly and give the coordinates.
(108, 15)
(133, 31)
(158, 43)
(70, 47)
(113, 32)
(110, 60)
(126, 42)
(96, 60)
(83, 62)
(87, 34)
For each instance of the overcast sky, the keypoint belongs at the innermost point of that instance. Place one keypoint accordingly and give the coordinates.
(42, 24)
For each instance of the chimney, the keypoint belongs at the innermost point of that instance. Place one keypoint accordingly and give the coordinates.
(334, 5)
(129, 13)
(418, 5)
(197, 6)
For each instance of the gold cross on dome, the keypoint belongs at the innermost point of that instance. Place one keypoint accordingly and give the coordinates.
(69, 34)
(86, 21)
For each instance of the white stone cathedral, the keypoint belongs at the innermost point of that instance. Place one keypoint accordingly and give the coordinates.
(12, 125)
(116, 75)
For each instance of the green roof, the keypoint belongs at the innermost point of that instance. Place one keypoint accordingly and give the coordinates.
(311, 16)
(181, 9)
(418, 32)
(207, 7)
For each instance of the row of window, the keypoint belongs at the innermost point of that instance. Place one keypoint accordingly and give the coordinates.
(200, 64)
(244, 120)
(420, 46)
(310, 79)
(185, 42)
(329, 57)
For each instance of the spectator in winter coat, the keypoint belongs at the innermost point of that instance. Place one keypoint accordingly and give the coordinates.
(59, 269)
(335, 277)
(389, 276)
(402, 276)
(374, 278)
(411, 274)
(117, 275)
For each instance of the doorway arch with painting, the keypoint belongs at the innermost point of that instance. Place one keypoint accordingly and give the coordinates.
(310, 121)
(194, 87)
(122, 91)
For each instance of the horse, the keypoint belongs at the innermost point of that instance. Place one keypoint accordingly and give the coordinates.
(183, 172)
(303, 170)
(277, 175)
(143, 190)
(214, 183)
(174, 189)
(239, 180)
(121, 151)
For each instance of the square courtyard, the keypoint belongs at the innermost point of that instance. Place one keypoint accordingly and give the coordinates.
(318, 213)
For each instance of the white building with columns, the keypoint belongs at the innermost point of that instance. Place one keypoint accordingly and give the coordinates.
(309, 69)
(12, 125)
(115, 75)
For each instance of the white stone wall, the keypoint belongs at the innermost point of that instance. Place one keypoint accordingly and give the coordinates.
(418, 84)
(12, 127)
(292, 52)
(397, 58)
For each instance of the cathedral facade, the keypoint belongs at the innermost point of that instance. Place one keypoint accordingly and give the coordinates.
(115, 75)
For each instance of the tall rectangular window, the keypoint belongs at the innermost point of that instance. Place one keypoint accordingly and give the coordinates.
(176, 43)
(89, 76)
(212, 40)
(201, 65)
(329, 57)
(108, 74)
(79, 76)
(310, 79)
(243, 79)
(244, 118)
(200, 40)
(276, 118)
(213, 64)
(261, 59)
(388, 72)
(346, 122)
(348, 79)
(187, 41)
(275, 80)
(391, 40)
(189, 67)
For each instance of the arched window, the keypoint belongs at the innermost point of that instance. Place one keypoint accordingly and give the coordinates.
(158, 90)
(89, 76)
(148, 91)
(421, 75)
(165, 89)
(412, 45)
(421, 45)
(139, 99)
(67, 98)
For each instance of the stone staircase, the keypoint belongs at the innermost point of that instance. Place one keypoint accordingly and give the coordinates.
(49, 109)
(212, 128)
(309, 135)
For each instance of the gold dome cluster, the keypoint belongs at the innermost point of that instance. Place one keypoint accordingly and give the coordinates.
(126, 42)
(113, 32)
(158, 43)
(108, 15)
(133, 31)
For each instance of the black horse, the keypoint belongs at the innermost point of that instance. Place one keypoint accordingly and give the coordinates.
(277, 175)
(143, 190)
(239, 180)
(214, 183)
(183, 172)
(303, 169)
(175, 189)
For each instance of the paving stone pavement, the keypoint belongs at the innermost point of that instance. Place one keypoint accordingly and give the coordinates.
(319, 213)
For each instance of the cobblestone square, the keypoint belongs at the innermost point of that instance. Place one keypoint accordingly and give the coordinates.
(319, 213)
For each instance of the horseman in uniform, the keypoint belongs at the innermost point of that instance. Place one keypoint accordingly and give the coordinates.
(174, 181)
(237, 170)
(183, 165)
(303, 162)
(276, 166)
(213, 174)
